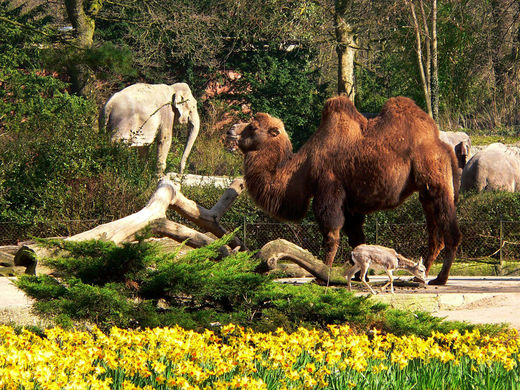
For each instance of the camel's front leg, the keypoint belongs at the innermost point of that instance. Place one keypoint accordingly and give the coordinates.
(328, 210)
(330, 245)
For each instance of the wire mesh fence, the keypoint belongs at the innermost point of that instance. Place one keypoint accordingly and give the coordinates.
(12, 233)
(497, 240)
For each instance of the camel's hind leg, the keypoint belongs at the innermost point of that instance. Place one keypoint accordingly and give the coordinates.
(355, 268)
(443, 230)
(353, 228)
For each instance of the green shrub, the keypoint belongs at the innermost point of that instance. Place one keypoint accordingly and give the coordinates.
(146, 288)
(43, 287)
(489, 206)
(100, 262)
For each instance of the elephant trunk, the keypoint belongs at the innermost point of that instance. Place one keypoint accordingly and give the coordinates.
(193, 132)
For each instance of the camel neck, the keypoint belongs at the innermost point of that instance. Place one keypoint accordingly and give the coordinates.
(278, 183)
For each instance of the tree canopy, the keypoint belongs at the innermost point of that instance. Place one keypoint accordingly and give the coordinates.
(239, 57)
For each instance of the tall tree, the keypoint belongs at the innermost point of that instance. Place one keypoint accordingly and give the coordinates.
(427, 54)
(82, 14)
(434, 64)
(346, 47)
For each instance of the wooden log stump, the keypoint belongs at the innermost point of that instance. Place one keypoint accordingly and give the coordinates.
(279, 249)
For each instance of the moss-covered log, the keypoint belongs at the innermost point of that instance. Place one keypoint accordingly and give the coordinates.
(280, 249)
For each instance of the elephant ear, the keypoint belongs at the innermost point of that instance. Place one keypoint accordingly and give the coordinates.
(179, 103)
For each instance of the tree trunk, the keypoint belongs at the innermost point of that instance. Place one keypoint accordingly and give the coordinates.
(418, 49)
(435, 65)
(503, 19)
(428, 45)
(346, 48)
(82, 14)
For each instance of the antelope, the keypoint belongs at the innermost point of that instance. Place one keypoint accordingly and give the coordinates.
(379, 257)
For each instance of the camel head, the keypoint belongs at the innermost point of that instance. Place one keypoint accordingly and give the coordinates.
(264, 131)
(232, 135)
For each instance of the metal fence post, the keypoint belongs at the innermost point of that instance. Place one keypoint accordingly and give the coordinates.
(501, 264)
(244, 238)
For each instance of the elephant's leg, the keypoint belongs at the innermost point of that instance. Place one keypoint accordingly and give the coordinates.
(353, 228)
(164, 138)
(443, 230)
(328, 210)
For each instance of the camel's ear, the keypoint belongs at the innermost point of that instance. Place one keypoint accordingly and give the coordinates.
(273, 131)
(421, 262)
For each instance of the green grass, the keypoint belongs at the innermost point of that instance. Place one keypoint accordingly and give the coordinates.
(480, 268)
(482, 140)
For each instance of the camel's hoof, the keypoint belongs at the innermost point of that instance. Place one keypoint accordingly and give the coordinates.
(437, 282)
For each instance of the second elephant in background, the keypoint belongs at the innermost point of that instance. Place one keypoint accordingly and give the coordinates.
(461, 144)
(142, 112)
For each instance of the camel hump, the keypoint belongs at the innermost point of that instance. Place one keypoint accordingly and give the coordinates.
(402, 105)
(342, 105)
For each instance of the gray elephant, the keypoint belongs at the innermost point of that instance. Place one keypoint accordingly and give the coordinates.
(495, 168)
(461, 144)
(142, 112)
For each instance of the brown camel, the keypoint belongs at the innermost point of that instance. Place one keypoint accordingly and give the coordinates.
(353, 166)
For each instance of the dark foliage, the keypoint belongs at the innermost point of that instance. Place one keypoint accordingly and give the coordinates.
(137, 286)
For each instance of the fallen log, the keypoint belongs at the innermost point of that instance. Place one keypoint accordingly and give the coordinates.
(124, 229)
(30, 253)
(209, 220)
(279, 249)
(274, 251)
(153, 215)
(179, 232)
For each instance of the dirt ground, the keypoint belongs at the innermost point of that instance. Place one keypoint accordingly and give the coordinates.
(488, 300)
(475, 299)
(496, 309)
(15, 306)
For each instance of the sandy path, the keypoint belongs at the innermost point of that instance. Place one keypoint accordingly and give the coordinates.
(15, 306)
(492, 310)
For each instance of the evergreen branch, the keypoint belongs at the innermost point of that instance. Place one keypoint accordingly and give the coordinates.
(36, 30)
